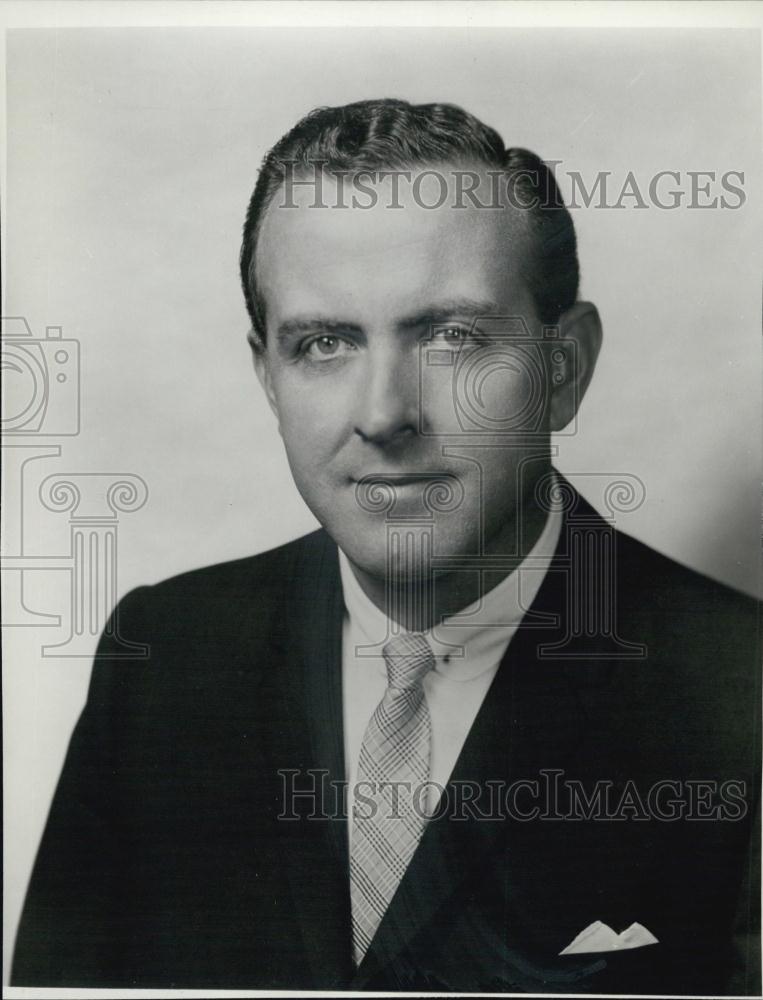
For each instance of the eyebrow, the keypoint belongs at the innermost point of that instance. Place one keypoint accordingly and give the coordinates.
(432, 315)
(294, 327)
(441, 312)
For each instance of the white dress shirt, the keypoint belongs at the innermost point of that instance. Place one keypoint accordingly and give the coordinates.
(468, 650)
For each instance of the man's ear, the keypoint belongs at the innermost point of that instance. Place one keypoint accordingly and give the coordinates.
(262, 367)
(573, 361)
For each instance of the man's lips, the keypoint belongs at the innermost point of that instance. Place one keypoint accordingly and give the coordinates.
(433, 491)
(404, 483)
(400, 477)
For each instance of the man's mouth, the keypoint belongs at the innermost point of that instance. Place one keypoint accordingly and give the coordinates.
(433, 491)
(400, 477)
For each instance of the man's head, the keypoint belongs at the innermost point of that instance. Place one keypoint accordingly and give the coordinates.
(401, 269)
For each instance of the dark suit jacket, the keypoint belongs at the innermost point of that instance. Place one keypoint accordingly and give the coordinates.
(164, 862)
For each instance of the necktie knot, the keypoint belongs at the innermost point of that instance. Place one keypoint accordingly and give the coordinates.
(409, 658)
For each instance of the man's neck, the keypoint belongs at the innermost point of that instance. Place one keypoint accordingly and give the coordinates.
(418, 604)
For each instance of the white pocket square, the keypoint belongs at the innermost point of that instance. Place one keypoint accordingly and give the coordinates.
(599, 937)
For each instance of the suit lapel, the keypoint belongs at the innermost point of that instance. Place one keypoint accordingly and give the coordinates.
(305, 737)
(320, 655)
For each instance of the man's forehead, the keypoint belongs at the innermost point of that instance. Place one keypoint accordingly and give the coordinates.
(438, 210)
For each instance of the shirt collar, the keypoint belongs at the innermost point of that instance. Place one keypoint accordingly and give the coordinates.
(474, 640)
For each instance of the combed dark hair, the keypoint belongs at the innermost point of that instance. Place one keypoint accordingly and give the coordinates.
(395, 135)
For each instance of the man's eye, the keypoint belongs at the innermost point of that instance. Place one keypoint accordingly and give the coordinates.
(454, 334)
(320, 348)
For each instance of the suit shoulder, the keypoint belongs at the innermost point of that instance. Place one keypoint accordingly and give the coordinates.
(223, 591)
(651, 583)
(703, 639)
(671, 585)
(693, 694)
(264, 569)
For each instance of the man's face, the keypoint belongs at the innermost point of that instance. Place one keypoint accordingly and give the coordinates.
(388, 366)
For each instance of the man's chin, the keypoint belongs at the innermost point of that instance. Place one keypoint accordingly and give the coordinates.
(402, 554)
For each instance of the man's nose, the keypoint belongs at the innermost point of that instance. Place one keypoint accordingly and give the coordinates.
(387, 408)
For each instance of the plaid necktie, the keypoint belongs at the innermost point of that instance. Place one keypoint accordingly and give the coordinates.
(389, 822)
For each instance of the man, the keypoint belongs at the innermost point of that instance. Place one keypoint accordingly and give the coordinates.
(546, 731)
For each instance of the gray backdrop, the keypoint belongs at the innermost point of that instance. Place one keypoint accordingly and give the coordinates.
(131, 157)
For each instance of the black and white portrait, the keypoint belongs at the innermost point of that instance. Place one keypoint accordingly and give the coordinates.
(381, 485)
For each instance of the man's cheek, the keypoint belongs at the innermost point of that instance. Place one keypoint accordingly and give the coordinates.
(485, 392)
(304, 425)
